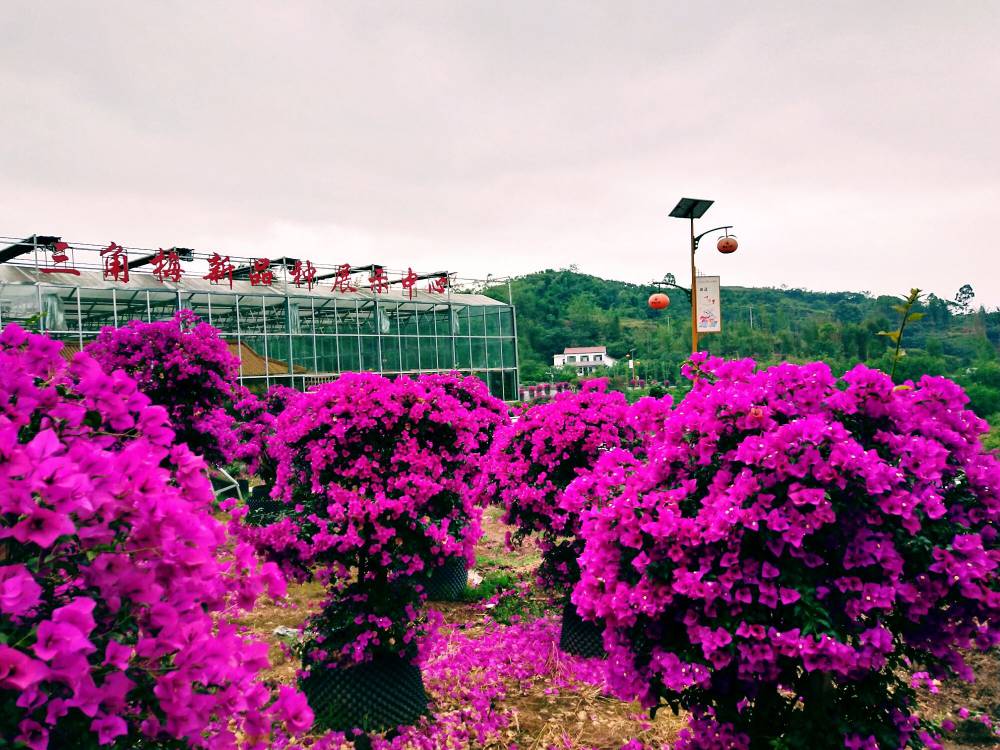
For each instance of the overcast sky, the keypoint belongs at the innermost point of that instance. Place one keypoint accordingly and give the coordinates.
(853, 145)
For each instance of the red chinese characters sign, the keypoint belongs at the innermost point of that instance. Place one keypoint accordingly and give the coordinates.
(438, 285)
(342, 279)
(115, 262)
(303, 273)
(60, 261)
(166, 267)
(219, 269)
(261, 273)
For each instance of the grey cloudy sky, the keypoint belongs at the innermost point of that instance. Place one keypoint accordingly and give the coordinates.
(853, 145)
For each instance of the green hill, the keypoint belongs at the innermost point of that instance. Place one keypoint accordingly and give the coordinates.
(560, 308)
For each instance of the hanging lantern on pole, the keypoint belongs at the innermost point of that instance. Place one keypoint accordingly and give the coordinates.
(727, 244)
(659, 301)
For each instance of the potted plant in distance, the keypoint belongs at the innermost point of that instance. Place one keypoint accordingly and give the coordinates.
(534, 461)
(375, 470)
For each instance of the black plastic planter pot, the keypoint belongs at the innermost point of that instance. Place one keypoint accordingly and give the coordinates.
(262, 509)
(578, 636)
(375, 696)
(447, 582)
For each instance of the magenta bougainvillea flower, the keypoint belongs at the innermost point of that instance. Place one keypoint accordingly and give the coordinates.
(116, 582)
(793, 545)
(183, 365)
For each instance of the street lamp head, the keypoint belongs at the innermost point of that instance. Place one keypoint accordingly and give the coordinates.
(727, 244)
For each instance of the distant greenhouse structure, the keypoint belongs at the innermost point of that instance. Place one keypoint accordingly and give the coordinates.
(288, 321)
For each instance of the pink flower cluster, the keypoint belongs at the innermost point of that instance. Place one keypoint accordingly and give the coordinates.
(376, 473)
(792, 545)
(183, 365)
(534, 460)
(115, 580)
(252, 424)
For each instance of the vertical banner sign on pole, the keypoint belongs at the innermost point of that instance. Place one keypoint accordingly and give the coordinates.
(709, 305)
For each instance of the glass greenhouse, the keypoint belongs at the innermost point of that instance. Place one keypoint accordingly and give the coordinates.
(283, 332)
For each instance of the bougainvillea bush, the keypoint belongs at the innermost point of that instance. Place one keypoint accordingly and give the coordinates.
(115, 580)
(486, 411)
(533, 461)
(797, 554)
(377, 472)
(183, 365)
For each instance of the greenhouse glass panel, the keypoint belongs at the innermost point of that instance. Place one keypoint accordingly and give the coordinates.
(411, 355)
(162, 305)
(370, 354)
(425, 319)
(250, 314)
(494, 354)
(508, 352)
(300, 315)
(130, 304)
(477, 321)
(19, 304)
(59, 310)
(97, 309)
(495, 381)
(509, 386)
(303, 353)
(391, 353)
(428, 353)
(369, 319)
(463, 354)
(252, 351)
(325, 314)
(507, 321)
(492, 315)
(478, 353)
(445, 354)
(445, 321)
(276, 313)
(326, 353)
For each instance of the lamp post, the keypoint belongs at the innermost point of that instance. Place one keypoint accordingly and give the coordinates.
(691, 209)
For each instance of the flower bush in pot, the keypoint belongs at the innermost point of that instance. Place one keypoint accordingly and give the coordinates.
(798, 553)
(376, 471)
(116, 584)
(534, 461)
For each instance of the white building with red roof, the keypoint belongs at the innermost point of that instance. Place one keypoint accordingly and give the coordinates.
(587, 360)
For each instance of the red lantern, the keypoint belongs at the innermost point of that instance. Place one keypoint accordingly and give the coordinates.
(659, 301)
(727, 245)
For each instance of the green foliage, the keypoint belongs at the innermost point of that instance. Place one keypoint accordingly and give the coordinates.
(991, 441)
(506, 597)
(795, 325)
(906, 310)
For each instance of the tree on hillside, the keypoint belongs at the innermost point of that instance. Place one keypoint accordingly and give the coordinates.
(964, 296)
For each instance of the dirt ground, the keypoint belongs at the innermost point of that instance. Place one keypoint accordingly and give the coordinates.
(583, 717)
